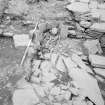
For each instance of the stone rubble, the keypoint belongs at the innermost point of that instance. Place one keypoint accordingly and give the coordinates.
(69, 62)
(57, 81)
(91, 10)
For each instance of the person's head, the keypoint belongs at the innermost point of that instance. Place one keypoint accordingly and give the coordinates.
(54, 31)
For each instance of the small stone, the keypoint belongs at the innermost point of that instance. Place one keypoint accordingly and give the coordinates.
(83, 57)
(85, 24)
(79, 27)
(97, 60)
(8, 34)
(35, 79)
(72, 32)
(63, 87)
(78, 7)
(74, 91)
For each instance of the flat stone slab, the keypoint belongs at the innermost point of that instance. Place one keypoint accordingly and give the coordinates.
(88, 85)
(97, 61)
(25, 94)
(21, 40)
(100, 71)
(78, 7)
(93, 46)
(98, 27)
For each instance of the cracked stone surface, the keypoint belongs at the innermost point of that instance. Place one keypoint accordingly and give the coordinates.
(64, 64)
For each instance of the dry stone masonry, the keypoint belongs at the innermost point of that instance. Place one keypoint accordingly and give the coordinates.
(65, 61)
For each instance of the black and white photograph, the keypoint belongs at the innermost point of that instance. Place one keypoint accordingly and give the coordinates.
(52, 52)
